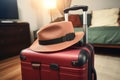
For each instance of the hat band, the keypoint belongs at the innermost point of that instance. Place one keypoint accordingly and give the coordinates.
(67, 37)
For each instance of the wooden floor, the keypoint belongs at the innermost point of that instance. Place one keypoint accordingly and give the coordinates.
(10, 69)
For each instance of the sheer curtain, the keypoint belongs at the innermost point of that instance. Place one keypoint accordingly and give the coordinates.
(57, 13)
(62, 4)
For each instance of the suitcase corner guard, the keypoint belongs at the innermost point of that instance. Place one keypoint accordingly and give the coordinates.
(22, 58)
(82, 59)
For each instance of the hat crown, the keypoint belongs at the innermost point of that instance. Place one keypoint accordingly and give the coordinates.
(54, 30)
(55, 37)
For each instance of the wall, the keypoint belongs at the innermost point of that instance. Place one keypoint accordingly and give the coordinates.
(33, 12)
(97, 4)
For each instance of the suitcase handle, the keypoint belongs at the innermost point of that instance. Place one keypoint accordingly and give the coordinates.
(76, 7)
(84, 8)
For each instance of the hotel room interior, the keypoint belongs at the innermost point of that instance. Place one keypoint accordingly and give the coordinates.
(19, 29)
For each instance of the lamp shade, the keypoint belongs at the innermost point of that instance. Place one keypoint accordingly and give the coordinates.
(50, 4)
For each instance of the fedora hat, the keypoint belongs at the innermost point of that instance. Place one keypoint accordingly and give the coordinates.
(56, 36)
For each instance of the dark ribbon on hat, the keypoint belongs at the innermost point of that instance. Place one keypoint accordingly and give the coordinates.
(67, 37)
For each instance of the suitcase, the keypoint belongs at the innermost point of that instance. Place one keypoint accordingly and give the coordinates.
(74, 63)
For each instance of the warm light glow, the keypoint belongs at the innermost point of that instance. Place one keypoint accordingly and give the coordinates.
(51, 4)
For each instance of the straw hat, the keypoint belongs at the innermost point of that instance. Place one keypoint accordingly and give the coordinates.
(56, 36)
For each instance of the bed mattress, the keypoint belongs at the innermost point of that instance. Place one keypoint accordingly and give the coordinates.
(103, 35)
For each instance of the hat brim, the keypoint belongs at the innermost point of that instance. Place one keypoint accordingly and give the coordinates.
(56, 47)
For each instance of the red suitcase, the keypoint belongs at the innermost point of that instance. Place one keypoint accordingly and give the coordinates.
(73, 63)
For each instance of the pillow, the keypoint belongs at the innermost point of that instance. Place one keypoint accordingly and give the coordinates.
(75, 19)
(106, 17)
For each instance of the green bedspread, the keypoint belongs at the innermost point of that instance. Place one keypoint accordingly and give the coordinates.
(103, 35)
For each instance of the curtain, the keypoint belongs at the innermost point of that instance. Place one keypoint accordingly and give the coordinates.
(62, 4)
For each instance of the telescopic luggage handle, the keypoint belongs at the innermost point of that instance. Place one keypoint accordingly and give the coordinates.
(76, 7)
(84, 8)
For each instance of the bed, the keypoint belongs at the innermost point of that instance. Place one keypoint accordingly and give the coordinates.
(100, 34)
(103, 36)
